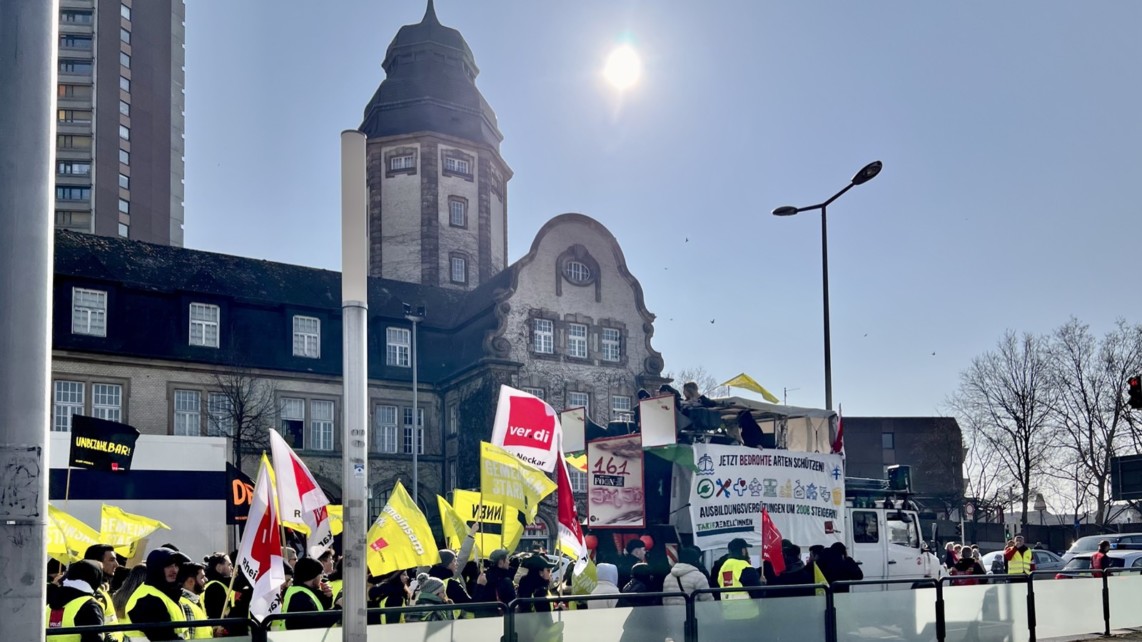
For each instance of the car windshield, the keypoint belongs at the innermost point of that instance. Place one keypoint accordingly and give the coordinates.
(1078, 564)
(1083, 544)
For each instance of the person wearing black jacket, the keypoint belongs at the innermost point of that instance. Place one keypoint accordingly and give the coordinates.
(157, 599)
(498, 585)
(390, 592)
(76, 603)
(219, 570)
(445, 571)
(308, 594)
(795, 573)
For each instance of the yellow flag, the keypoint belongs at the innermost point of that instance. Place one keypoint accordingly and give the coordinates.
(455, 528)
(468, 506)
(819, 578)
(578, 461)
(68, 537)
(585, 582)
(336, 518)
(117, 527)
(400, 538)
(747, 382)
(506, 480)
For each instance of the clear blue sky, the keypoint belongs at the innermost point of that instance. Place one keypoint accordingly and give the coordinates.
(1011, 136)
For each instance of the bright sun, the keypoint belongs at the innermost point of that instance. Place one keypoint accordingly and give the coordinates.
(623, 67)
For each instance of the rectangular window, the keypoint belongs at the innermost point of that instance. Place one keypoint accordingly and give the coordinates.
(73, 168)
(75, 17)
(88, 312)
(578, 480)
(577, 340)
(612, 344)
(321, 425)
(124, 157)
(74, 66)
(72, 193)
(620, 408)
(124, 84)
(385, 438)
(124, 108)
(124, 181)
(293, 421)
(72, 41)
(397, 342)
(107, 401)
(579, 400)
(543, 336)
(124, 230)
(68, 141)
(457, 213)
(74, 91)
(453, 419)
(204, 325)
(538, 392)
(74, 116)
(125, 11)
(124, 35)
(402, 162)
(457, 165)
(125, 59)
(219, 415)
(187, 413)
(888, 440)
(306, 337)
(67, 401)
(407, 446)
(124, 206)
(459, 269)
(124, 132)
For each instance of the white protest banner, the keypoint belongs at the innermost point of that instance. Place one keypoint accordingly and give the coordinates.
(527, 427)
(803, 492)
(615, 496)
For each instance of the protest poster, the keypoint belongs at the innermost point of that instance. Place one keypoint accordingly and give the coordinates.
(99, 444)
(239, 495)
(614, 483)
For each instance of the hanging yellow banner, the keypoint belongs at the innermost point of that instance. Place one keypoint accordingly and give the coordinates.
(68, 537)
(400, 538)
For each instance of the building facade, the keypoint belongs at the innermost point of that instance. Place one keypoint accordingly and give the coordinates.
(119, 120)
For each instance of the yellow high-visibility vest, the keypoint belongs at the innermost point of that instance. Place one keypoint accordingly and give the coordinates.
(1020, 563)
(173, 609)
(197, 632)
(739, 606)
(67, 619)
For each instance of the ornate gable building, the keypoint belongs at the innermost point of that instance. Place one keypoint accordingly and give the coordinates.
(185, 342)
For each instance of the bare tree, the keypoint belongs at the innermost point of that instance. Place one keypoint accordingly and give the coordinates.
(1005, 397)
(244, 412)
(1090, 412)
(707, 384)
(987, 482)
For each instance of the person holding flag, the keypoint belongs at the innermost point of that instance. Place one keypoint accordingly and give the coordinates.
(571, 541)
(303, 505)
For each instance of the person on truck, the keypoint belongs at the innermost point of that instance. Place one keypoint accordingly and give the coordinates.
(635, 554)
(75, 603)
(1020, 560)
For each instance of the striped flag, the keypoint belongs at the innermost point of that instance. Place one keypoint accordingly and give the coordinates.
(260, 553)
(303, 505)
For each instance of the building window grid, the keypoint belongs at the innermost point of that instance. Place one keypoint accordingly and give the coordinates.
(74, 117)
(204, 325)
(125, 11)
(538, 392)
(125, 35)
(397, 347)
(407, 445)
(577, 272)
(71, 41)
(611, 344)
(621, 408)
(457, 165)
(457, 213)
(74, 66)
(459, 269)
(124, 132)
(72, 193)
(579, 400)
(76, 17)
(220, 415)
(125, 84)
(888, 440)
(321, 425)
(578, 480)
(397, 163)
(124, 157)
(453, 419)
(67, 401)
(125, 59)
(577, 340)
(306, 337)
(125, 108)
(385, 440)
(88, 312)
(124, 181)
(187, 413)
(70, 168)
(543, 336)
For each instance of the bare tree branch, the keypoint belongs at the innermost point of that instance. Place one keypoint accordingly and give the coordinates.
(244, 412)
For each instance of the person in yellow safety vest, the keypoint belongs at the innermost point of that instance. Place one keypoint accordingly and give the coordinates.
(75, 603)
(737, 572)
(156, 600)
(104, 555)
(1020, 559)
(446, 572)
(308, 593)
(192, 581)
(331, 567)
(219, 570)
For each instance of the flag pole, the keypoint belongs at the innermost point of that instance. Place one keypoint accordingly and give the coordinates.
(67, 492)
(230, 592)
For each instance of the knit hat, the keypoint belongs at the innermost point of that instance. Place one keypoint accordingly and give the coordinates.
(499, 554)
(446, 557)
(306, 569)
(428, 584)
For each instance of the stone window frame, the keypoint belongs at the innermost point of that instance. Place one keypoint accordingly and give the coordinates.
(545, 315)
(399, 152)
(456, 154)
(88, 383)
(463, 202)
(578, 253)
(604, 325)
(308, 420)
(463, 256)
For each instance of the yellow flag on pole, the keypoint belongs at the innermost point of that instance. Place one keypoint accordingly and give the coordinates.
(578, 461)
(468, 506)
(400, 538)
(68, 537)
(506, 480)
(747, 382)
(120, 529)
(455, 528)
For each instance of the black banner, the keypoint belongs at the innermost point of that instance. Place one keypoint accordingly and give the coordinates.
(99, 444)
(239, 495)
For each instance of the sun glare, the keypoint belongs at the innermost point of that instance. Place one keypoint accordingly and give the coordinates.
(623, 67)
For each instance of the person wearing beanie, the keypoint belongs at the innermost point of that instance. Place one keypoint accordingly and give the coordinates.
(430, 591)
(75, 602)
(156, 600)
(608, 584)
(303, 595)
(497, 585)
(104, 555)
(447, 571)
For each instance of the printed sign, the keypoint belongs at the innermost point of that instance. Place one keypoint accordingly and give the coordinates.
(615, 483)
(657, 417)
(803, 492)
(99, 444)
(527, 427)
(239, 495)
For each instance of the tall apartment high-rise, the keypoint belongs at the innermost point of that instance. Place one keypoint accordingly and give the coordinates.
(119, 145)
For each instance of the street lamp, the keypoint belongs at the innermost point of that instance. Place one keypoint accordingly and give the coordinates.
(866, 174)
(415, 316)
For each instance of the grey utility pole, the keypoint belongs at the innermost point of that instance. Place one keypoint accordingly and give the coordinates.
(27, 162)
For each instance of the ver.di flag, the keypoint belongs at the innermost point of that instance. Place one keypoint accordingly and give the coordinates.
(571, 541)
(506, 480)
(99, 444)
(121, 529)
(260, 553)
(68, 537)
(528, 427)
(401, 537)
(303, 505)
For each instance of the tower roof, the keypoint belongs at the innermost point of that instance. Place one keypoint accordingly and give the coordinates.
(430, 85)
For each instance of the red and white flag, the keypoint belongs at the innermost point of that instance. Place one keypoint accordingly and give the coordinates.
(303, 505)
(260, 553)
(571, 541)
(528, 427)
(839, 442)
(771, 543)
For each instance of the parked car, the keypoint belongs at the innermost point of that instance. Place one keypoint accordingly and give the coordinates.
(1043, 560)
(1122, 558)
(1089, 544)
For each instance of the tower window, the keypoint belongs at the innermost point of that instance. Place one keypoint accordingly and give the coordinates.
(457, 212)
(457, 163)
(397, 163)
(577, 272)
(459, 269)
(543, 336)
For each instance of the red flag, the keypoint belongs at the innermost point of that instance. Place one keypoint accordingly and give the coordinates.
(260, 552)
(570, 539)
(771, 543)
(839, 442)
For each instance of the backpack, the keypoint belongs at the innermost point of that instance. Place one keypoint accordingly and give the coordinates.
(997, 566)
